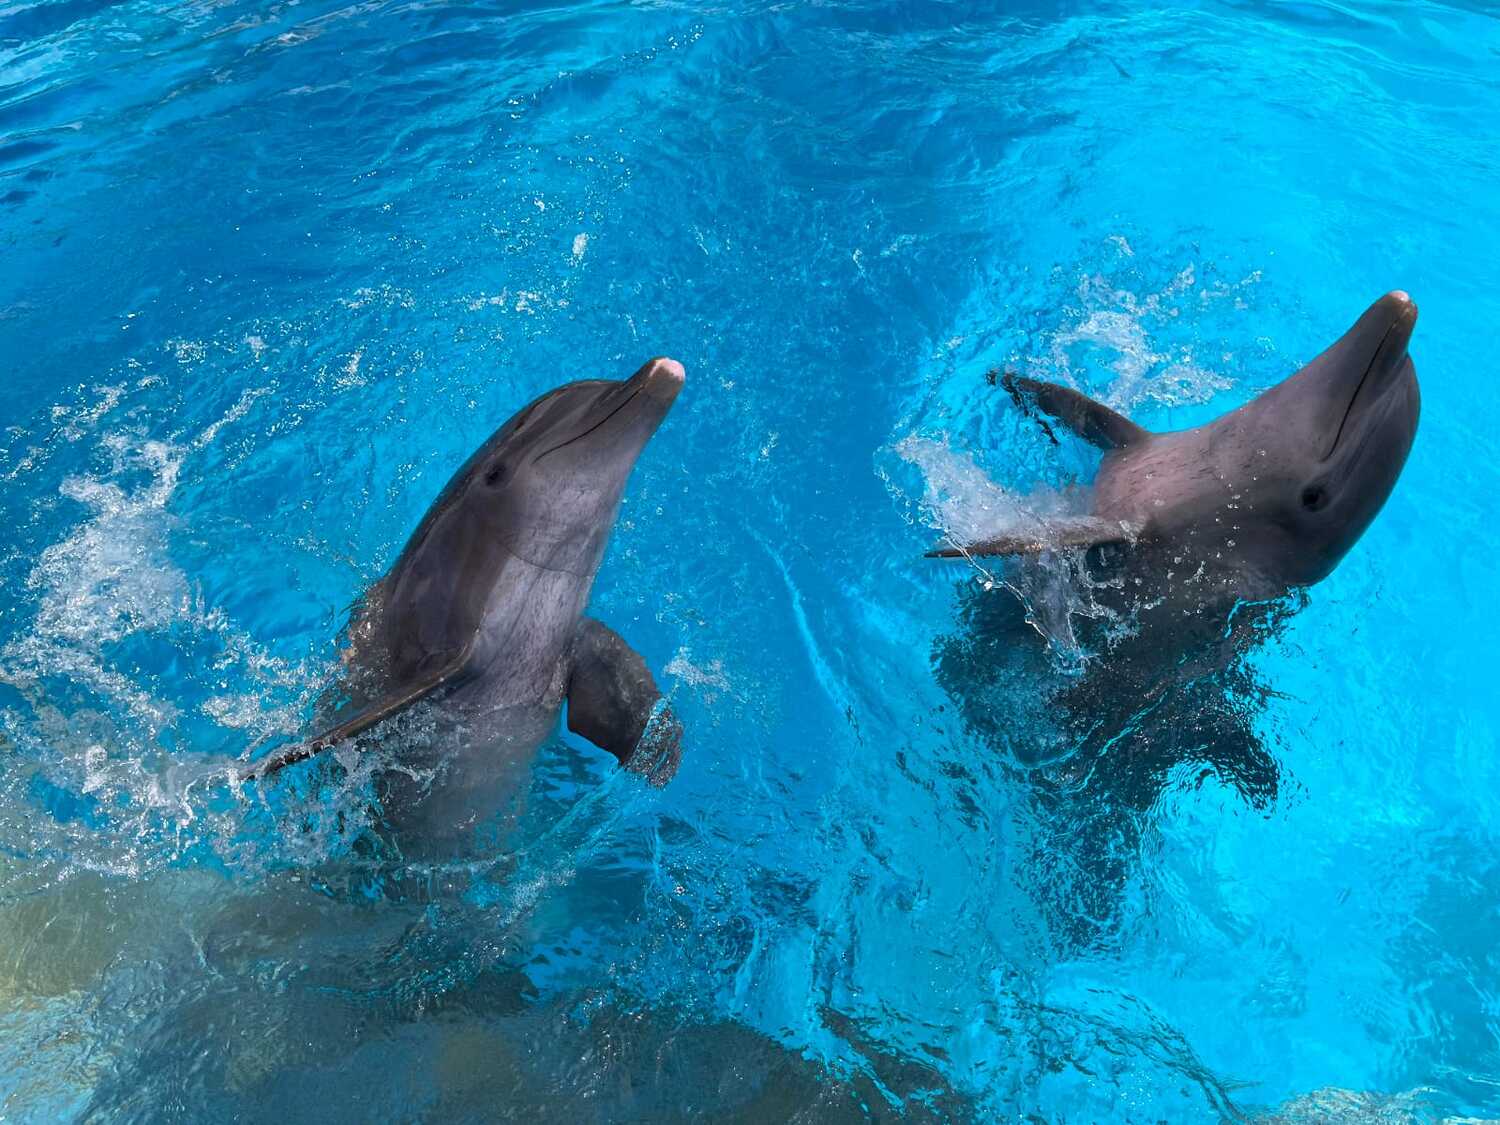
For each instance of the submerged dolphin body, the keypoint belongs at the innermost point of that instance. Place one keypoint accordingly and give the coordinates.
(483, 612)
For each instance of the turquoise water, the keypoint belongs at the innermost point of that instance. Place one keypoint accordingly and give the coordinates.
(270, 272)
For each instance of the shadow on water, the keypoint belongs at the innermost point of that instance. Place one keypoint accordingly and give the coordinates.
(1102, 731)
(431, 1011)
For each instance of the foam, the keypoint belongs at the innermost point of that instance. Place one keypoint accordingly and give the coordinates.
(710, 675)
(964, 503)
(111, 577)
(1117, 321)
(1112, 330)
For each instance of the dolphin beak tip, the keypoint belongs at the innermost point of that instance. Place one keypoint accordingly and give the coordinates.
(663, 378)
(1400, 303)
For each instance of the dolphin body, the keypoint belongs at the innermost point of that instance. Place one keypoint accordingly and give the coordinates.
(1196, 546)
(482, 616)
(1266, 498)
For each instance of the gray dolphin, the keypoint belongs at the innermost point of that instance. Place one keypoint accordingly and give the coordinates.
(482, 614)
(1266, 498)
(1194, 550)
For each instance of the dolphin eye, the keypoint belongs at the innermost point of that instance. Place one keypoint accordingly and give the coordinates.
(1314, 497)
(495, 474)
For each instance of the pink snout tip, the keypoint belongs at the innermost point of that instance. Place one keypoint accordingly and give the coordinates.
(662, 378)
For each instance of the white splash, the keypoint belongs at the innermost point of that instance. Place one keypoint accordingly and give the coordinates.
(488, 300)
(1117, 325)
(710, 675)
(112, 577)
(188, 352)
(348, 375)
(386, 296)
(79, 421)
(963, 502)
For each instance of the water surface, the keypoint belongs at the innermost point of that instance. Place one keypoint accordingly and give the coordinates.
(271, 271)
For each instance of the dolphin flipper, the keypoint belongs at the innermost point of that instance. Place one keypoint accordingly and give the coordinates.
(1096, 423)
(378, 711)
(1055, 535)
(614, 703)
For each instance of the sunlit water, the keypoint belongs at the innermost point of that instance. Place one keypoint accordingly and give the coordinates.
(271, 271)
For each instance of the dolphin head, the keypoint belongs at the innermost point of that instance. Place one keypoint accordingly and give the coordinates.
(542, 492)
(1326, 445)
(548, 484)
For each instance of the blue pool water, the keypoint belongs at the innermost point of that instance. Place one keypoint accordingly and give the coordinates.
(270, 271)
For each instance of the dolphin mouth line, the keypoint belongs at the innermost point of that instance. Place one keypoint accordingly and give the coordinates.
(1363, 379)
(510, 550)
(579, 437)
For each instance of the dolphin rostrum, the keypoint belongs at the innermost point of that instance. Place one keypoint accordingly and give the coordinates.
(482, 614)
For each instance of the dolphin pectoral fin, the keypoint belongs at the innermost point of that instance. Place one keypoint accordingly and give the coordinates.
(1096, 423)
(614, 703)
(377, 712)
(1058, 535)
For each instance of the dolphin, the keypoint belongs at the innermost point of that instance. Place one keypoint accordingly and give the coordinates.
(482, 616)
(1264, 499)
(1194, 548)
